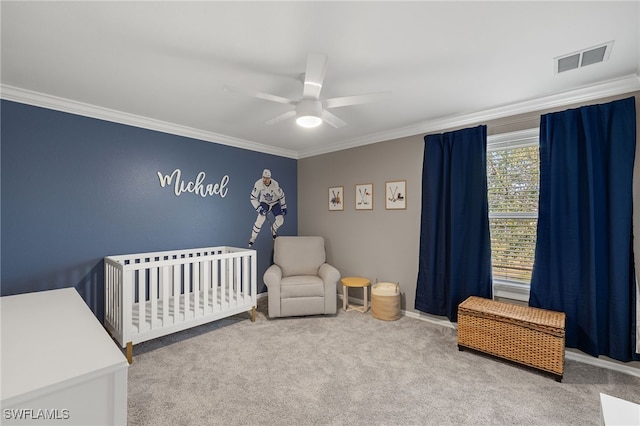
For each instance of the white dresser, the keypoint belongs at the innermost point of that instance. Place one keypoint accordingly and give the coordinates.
(618, 412)
(59, 365)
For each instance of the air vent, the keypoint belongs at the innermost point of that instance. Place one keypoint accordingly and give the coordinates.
(580, 59)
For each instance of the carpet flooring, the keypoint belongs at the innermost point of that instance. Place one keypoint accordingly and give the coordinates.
(350, 369)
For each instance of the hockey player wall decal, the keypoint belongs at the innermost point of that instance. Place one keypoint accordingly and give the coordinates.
(267, 197)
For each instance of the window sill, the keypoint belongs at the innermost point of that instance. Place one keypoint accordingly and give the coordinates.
(511, 290)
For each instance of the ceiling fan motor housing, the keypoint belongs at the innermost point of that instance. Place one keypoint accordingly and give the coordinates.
(309, 107)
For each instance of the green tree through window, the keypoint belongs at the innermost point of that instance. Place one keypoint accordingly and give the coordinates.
(513, 175)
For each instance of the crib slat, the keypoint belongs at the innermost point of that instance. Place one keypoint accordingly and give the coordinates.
(215, 284)
(224, 298)
(196, 288)
(121, 306)
(176, 293)
(108, 291)
(108, 288)
(206, 281)
(245, 276)
(238, 279)
(234, 279)
(122, 301)
(231, 277)
(142, 297)
(153, 297)
(116, 298)
(186, 298)
(164, 285)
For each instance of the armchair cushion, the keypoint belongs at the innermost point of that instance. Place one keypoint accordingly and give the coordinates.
(301, 286)
(299, 255)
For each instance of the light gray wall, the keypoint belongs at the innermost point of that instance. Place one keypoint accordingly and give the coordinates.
(383, 244)
(377, 244)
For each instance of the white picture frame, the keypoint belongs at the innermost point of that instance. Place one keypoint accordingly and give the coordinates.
(364, 196)
(395, 197)
(336, 198)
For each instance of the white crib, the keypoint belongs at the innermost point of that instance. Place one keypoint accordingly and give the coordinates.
(148, 295)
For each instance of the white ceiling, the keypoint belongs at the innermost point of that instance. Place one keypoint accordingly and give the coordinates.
(163, 65)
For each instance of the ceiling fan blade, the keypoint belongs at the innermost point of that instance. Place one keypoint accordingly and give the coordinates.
(332, 119)
(314, 75)
(354, 100)
(281, 117)
(260, 95)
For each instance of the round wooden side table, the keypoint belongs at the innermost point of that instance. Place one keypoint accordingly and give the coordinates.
(348, 282)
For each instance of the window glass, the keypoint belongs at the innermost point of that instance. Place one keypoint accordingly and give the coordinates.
(513, 174)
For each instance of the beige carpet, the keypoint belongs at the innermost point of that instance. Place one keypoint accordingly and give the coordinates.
(350, 369)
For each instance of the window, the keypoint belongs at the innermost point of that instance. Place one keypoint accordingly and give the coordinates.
(513, 175)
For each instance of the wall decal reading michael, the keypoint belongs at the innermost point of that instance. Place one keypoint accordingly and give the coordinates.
(196, 186)
(267, 196)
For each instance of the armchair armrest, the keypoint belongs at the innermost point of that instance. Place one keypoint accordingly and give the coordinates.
(328, 273)
(272, 277)
(330, 276)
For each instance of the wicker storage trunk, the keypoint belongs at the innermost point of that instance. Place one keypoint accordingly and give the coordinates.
(529, 336)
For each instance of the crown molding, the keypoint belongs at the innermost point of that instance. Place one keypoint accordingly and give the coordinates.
(87, 110)
(613, 87)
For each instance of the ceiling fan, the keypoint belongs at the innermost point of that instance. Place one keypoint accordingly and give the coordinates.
(310, 111)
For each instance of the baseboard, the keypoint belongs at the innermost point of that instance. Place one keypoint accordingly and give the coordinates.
(604, 363)
(433, 319)
(569, 353)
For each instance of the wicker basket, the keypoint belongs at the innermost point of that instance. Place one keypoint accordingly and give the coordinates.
(529, 336)
(385, 301)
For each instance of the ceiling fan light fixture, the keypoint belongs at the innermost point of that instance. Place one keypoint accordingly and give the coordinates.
(308, 121)
(309, 113)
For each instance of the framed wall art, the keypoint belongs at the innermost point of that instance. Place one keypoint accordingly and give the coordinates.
(364, 196)
(336, 198)
(395, 197)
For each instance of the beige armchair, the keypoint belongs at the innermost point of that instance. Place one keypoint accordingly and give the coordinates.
(300, 282)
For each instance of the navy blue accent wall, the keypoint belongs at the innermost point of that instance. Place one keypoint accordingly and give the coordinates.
(77, 189)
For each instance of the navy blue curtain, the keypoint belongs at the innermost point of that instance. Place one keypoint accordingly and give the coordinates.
(584, 256)
(455, 246)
